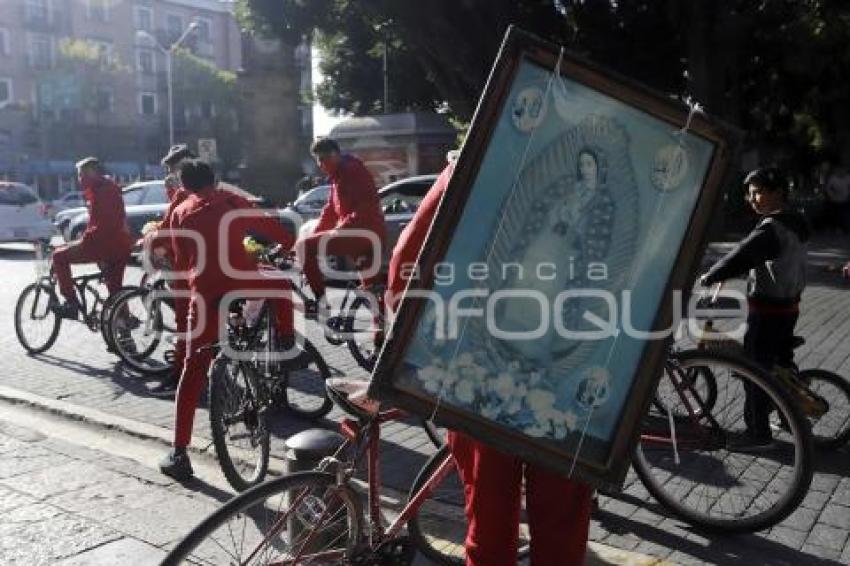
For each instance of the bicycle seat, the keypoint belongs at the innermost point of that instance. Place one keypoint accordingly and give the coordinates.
(350, 395)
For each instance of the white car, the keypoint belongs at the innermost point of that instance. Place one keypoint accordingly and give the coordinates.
(23, 217)
(73, 199)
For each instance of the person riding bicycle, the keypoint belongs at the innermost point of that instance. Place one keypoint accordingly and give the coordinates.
(353, 205)
(158, 241)
(774, 254)
(558, 508)
(106, 240)
(203, 213)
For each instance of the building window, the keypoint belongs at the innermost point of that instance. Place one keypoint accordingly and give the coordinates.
(207, 109)
(104, 52)
(143, 17)
(6, 95)
(37, 11)
(98, 10)
(145, 61)
(204, 30)
(40, 51)
(105, 100)
(147, 104)
(5, 43)
(174, 27)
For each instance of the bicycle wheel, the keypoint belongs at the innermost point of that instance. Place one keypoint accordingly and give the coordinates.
(361, 325)
(700, 386)
(105, 312)
(36, 323)
(238, 422)
(832, 429)
(690, 466)
(302, 382)
(301, 518)
(138, 328)
(438, 527)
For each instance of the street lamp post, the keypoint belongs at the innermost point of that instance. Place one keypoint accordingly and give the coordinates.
(169, 57)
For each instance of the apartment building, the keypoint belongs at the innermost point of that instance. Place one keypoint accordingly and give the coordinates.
(49, 115)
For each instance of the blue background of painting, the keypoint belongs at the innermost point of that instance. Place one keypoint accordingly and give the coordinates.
(663, 220)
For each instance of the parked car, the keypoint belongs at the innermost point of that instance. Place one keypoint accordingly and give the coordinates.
(23, 217)
(73, 199)
(399, 201)
(143, 202)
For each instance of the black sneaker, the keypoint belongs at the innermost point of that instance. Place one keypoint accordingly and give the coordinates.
(751, 444)
(176, 465)
(68, 309)
(165, 389)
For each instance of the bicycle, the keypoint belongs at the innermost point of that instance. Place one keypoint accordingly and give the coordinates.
(824, 396)
(320, 512)
(686, 455)
(253, 374)
(36, 321)
(359, 320)
(142, 326)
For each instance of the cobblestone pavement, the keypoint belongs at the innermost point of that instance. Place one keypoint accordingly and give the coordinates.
(79, 372)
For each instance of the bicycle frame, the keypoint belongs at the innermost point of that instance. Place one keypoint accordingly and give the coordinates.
(675, 374)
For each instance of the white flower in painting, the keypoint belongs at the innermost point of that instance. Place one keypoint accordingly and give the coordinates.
(540, 401)
(570, 420)
(503, 386)
(465, 391)
(491, 410)
(432, 386)
(534, 378)
(537, 430)
(594, 389)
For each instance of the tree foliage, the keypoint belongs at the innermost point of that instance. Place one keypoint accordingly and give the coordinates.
(775, 68)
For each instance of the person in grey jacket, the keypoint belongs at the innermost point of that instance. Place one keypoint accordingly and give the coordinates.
(774, 253)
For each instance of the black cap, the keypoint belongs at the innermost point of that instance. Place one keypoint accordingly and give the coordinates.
(87, 162)
(176, 153)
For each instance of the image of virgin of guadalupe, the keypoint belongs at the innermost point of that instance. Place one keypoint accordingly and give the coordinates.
(572, 224)
(571, 230)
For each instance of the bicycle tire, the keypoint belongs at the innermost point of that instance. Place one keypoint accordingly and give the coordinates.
(702, 495)
(140, 360)
(359, 329)
(227, 410)
(105, 312)
(304, 391)
(435, 527)
(836, 391)
(254, 506)
(45, 296)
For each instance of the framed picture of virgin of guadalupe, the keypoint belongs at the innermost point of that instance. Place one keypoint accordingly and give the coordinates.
(536, 317)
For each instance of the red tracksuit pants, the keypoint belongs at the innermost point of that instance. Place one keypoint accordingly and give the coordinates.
(205, 329)
(308, 256)
(558, 508)
(112, 265)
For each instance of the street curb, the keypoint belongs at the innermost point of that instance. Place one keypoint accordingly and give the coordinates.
(98, 418)
(598, 554)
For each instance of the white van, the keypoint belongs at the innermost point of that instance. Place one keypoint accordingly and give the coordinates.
(23, 217)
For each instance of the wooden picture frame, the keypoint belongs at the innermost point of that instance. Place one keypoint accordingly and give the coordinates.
(574, 186)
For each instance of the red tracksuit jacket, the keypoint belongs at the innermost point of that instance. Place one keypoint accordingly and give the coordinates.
(107, 228)
(354, 200)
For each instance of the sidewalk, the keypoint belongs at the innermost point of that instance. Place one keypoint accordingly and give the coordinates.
(78, 379)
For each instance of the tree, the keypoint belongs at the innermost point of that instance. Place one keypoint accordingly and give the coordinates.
(775, 68)
(205, 101)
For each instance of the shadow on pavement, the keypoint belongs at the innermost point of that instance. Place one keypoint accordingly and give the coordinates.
(747, 549)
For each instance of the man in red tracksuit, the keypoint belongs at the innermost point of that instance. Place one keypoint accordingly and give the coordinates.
(558, 508)
(353, 204)
(159, 242)
(203, 212)
(106, 240)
